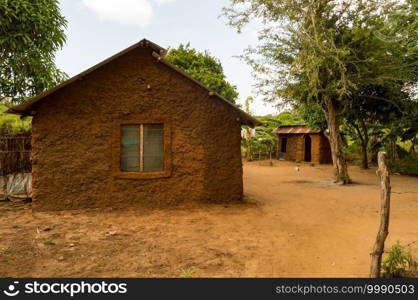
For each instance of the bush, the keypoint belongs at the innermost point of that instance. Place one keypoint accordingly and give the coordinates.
(353, 154)
(13, 122)
(399, 263)
(407, 165)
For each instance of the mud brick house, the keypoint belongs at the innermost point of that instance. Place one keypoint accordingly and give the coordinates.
(134, 130)
(300, 143)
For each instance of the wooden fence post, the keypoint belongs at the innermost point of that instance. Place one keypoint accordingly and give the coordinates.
(383, 232)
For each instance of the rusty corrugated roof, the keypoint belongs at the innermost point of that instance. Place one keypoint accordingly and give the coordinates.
(295, 129)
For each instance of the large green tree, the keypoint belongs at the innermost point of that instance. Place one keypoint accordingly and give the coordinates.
(31, 31)
(326, 51)
(368, 118)
(205, 68)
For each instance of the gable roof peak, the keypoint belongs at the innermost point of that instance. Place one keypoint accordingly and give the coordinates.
(158, 53)
(157, 48)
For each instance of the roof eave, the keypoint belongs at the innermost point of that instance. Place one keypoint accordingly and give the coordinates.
(23, 107)
(245, 118)
(159, 53)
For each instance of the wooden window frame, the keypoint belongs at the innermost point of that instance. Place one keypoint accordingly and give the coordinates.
(116, 149)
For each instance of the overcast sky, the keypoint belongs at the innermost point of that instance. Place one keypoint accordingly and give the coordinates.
(98, 29)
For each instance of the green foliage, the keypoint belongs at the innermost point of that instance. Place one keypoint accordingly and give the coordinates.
(31, 32)
(287, 118)
(265, 141)
(386, 110)
(247, 142)
(247, 104)
(354, 60)
(387, 125)
(346, 180)
(311, 50)
(188, 273)
(398, 262)
(204, 68)
(353, 152)
(49, 242)
(312, 115)
(6, 251)
(13, 122)
(407, 165)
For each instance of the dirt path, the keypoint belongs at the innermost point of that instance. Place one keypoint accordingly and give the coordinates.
(323, 229)
(294, 223)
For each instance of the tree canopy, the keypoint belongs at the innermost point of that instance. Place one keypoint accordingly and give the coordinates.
(205, 68)
(328, 52)
(31, 32)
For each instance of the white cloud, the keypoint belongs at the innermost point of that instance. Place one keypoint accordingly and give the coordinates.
(163, 1)
(126, 12)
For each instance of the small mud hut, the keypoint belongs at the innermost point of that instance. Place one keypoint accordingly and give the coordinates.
(301, 143)
(134, 130)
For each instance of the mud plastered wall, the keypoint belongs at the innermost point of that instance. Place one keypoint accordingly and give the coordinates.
(321, 153)
(72, 139)
(294, 147)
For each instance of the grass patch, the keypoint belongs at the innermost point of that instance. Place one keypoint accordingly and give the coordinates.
(399, 263)
(50, 242)
(6, 251)
(188, 273)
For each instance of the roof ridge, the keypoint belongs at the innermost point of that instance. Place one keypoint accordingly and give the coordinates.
(159, 53)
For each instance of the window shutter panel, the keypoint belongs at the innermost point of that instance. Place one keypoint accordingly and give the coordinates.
(130, 148)
(153, 147)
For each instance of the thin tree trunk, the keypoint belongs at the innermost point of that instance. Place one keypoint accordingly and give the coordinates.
(334, 137)
(249, 152)
(373, 148)
(393, 152)
(277, 151)
(364, 156)
(413, 143)
(364, 142)
(383, 232)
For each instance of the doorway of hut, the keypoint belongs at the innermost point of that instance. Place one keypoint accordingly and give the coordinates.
(308, 148)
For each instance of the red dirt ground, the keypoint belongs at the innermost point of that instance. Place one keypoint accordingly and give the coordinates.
(294, 223)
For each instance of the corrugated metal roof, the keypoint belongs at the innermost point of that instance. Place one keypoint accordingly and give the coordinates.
(158, 53)
(295, 129)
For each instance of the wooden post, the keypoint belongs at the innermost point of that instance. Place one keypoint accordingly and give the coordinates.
(383, 232)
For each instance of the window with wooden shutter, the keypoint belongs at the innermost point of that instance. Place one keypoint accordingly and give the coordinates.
(143, 151)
